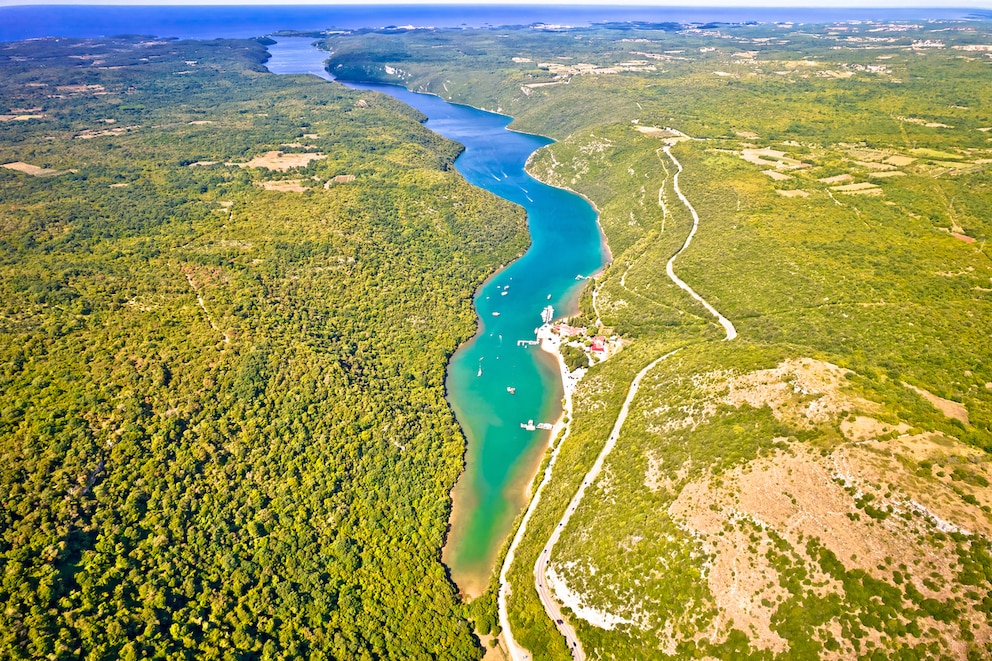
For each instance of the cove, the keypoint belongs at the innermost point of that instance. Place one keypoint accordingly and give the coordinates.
(495, 384)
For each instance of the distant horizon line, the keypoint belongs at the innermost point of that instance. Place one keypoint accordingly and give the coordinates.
(686, 4)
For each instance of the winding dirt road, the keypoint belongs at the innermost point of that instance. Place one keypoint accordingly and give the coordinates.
(727, 326)
(551, 607)
(540, 568)
(549, 342)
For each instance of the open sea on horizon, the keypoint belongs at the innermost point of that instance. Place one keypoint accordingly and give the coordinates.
(246, 21)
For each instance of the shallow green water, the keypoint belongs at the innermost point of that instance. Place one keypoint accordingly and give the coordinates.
(566, 243)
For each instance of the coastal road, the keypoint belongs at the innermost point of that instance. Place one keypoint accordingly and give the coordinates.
(548, 600)
(550, 343)
(541, 567)
(727, 326)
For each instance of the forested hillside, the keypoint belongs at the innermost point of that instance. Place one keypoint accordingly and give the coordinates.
(816, 487)
(228, 298)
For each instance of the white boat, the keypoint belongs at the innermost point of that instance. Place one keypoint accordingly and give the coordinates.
(511, 390)
(495, 314)
(529, 425)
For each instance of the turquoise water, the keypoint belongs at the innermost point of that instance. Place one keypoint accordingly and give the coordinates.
(566, 246)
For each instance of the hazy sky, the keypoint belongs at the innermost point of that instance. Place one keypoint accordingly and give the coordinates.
(981, 4)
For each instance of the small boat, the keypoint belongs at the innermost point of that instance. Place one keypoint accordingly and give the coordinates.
(503, 293)
(480, 372)
(495, 314)
(511, 390)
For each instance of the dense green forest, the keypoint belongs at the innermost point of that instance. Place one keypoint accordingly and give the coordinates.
(223, 431)
(841, 176)
(228, 298)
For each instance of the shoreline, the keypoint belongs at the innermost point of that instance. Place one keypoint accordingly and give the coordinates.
(517, 490)
(520, 489)
(549, 343)
(452, 515)
(603, 240)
